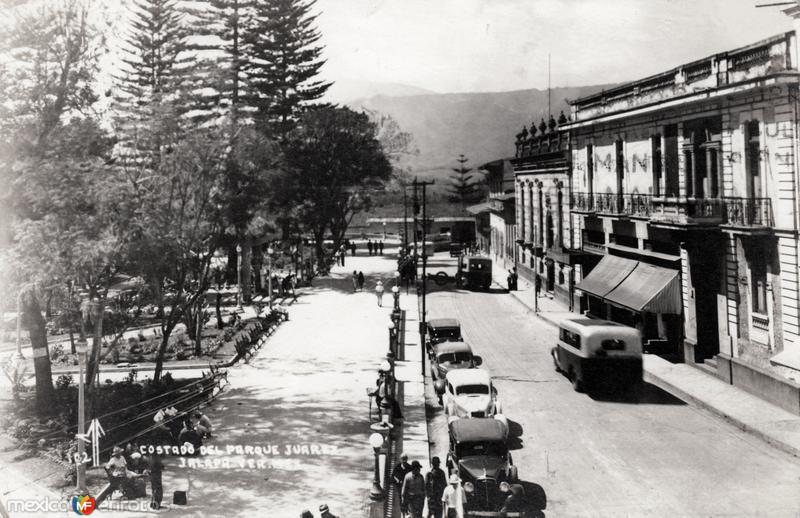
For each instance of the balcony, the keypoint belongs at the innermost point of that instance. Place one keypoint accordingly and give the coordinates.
(748, 212)
(729, 211)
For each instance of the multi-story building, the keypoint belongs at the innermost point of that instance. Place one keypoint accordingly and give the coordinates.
(685, 190)
(545, 245)
(497, 213)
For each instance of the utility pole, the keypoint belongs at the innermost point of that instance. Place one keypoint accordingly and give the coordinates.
(423, 323)
(405, 220)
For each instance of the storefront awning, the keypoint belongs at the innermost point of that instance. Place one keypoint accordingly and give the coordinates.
(649, 288)
(607, 275)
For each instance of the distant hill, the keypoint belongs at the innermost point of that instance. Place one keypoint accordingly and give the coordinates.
(482, 126)
(345, 91)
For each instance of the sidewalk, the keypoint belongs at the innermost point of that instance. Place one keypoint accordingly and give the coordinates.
(760, 418)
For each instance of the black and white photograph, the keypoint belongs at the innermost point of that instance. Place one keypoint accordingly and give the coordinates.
(400, 258)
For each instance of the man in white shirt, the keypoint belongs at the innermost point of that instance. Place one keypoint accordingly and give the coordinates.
(453, 499)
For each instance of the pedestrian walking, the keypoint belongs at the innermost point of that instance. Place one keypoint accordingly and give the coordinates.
(324, 512)
(412, 496)
(369, 246)
(361, 281)
(379, 293)
(342, 254)
(435, 484)
(353, 248)
(453, 499)
(400, 471)
(380, 247)
(355, 281)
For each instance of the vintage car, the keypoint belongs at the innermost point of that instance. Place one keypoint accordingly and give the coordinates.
(441, 330)
(470, 393)
(474, 272)
(479, 454)
(449, 356)
(594, 352)
(456, 249)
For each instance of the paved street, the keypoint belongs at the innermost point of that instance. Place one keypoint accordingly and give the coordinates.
(583, 455)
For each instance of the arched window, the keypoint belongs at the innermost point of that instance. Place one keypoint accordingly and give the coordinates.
(522, 210)
(541, 219)
(560, 216)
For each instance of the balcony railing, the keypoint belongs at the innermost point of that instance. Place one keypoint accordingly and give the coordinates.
(741, 212)
(749, 212)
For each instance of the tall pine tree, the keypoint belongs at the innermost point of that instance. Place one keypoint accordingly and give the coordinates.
(218, 79)
(283, 62)
(153, 76)
(463, 187)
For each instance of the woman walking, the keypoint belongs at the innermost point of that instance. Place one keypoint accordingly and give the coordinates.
(355, 281)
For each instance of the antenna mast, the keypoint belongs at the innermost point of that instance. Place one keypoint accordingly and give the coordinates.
(549, 112)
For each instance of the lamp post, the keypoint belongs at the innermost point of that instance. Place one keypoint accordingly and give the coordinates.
(270, 251)
(392, 337)
(81, 348)
(239, 276)
(396, 295)
(376, 441)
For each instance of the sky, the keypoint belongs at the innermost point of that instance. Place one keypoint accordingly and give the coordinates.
(500, 45)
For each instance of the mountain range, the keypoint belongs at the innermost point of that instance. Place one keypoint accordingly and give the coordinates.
(481, 126)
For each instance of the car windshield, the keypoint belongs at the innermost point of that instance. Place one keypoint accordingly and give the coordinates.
(473, 449)
(455, 357)
(446, 332)
(472, 389)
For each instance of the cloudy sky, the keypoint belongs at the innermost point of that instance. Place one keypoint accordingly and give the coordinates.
(492, 45)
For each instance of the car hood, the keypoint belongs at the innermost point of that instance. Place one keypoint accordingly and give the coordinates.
(474, 402)
(482, 467)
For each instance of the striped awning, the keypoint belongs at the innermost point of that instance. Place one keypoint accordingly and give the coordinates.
(634, 285)
(607, 275)
(649, 288)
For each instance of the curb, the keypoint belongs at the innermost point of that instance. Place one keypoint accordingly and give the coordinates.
(702, 405)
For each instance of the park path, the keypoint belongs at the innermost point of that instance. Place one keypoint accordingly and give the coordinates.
(305, 390)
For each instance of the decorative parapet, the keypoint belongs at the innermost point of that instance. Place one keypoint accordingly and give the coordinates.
(761, 59)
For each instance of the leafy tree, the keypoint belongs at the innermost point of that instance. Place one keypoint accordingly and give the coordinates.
(47, 68)
(463, 188)
(179, 218)
(334, 159)
(283, 62)
(71, 228)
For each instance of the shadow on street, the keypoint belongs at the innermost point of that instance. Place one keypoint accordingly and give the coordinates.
(644, 394)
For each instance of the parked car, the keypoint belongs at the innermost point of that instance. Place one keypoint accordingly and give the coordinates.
(471, 393)
(474, 272)
(456, 249)
(593, 352)
(442, 330)
(449, 356)
(479, 454)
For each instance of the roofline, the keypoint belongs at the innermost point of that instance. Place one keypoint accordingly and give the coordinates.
(680, 100)
(626, 86)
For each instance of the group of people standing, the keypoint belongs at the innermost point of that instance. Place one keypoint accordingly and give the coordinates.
(445, 496)
(374, 247)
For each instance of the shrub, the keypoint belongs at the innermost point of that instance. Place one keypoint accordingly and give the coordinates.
(64, 381)
(56, 352)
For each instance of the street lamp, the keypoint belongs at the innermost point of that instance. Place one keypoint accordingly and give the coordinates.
(239, 276)
(396, 295)
(19, 327)
(270, 251)
(81, 348)
(376, 441)
(392, 336)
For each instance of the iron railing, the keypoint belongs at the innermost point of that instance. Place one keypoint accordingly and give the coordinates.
(749, 212)
(736, 211)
